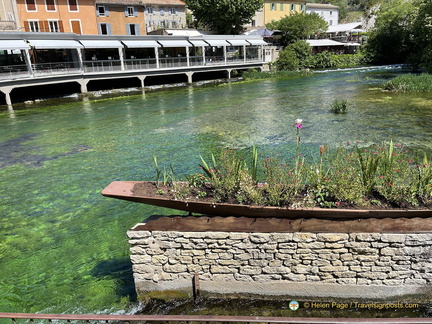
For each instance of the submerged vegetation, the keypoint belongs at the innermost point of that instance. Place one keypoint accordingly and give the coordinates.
(257, 75)
(410, 83)
(375, 177)
(339, 106)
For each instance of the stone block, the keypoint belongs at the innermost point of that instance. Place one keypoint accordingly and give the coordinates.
(393, 238)
(332, 237)
(266, 277)
(138, 234)
(221, 269)
(175, 268)
(248, 270)
(259, 238)
(304, 237)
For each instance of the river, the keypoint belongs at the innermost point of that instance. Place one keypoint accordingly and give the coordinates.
(63, 246)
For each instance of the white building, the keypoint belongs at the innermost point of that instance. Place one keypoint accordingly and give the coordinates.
(328, 12)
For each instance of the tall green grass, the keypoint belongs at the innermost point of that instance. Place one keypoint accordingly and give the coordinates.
(410, 83)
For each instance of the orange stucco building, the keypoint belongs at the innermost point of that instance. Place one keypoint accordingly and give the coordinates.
(68, 16)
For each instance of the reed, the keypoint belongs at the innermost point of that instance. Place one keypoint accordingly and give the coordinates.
(410, 83)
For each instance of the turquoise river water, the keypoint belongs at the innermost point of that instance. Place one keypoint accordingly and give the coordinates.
(63, 246)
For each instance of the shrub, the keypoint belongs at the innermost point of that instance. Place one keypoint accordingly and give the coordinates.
(339, 106)
(410, 83)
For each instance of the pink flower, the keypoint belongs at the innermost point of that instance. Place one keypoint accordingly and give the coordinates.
(298, 123)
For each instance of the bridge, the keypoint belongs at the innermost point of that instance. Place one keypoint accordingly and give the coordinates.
(32, 59)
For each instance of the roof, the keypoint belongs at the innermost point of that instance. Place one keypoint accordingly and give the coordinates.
(143, 2)
(324, 42)
(321, 6)
(343, 27)
(184, 32)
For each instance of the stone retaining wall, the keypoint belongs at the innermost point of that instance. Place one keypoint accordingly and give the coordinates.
(361, 259)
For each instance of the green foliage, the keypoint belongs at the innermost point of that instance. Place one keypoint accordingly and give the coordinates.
(298, 56)
(298, 26)
(339, 106)
(224, 16)
(258, 75)
(410, 83)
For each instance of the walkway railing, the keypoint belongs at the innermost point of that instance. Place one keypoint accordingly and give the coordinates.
(187, 319)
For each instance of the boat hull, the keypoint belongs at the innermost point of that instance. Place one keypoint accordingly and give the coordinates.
(125, 190)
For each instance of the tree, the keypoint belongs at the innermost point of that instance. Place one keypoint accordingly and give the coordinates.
(421, 34)
(298, 26)
(295, 56)
(390, 41)
(224, 16)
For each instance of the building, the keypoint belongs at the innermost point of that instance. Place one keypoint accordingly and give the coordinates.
(274, 11)
(328, 12)
(120, 17)
(57, 16)
(9, 16)
(164, 14)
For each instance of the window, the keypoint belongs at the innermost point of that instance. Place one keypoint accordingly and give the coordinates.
(102, 11)
(132, 29)
(281, 7)
(292, 7)
(76, 26)
(34, 26)
(162, 12)
(31, 5)
(130, 12)
(272, 6)
(50, 5)
(53, 26)
(104, 29)
(301, 7)
(150, 10)
(73, 5)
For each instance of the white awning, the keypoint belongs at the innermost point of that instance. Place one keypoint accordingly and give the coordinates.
(237, 42)
(101, 44)
(54, 44)
(141, 44)
(197, 42)
(324, 42)
(18, 44)
(344, 27)
(257, 42)
(175, 43)
(217, 42)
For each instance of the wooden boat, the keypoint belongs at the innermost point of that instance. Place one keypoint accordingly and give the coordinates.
(125, 190)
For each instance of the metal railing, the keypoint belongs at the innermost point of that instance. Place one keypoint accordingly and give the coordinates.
(102, 66)
(9, 72)
(54, 68)
(140, 64)
(203, 319)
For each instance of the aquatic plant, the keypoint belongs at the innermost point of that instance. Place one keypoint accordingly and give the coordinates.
(339, 106)
(410, 83)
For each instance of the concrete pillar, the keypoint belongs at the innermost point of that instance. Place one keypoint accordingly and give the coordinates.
(244, 53)
(142, 78)
(157, 57)
(189, 76)
(83, 84)
(27, 60)
(225, 56)
(203, 55)
(121, 55)
(187, 56)
(80, 59)
(229, 73)
(7, 91)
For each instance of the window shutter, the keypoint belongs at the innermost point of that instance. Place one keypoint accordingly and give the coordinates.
(97, 11)
(128, 29)
(106, 11)
(26, 26)
(109, 29)
(61, 29)
(45, 26)
(126, 11)
(135, 12)
(137, 29)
